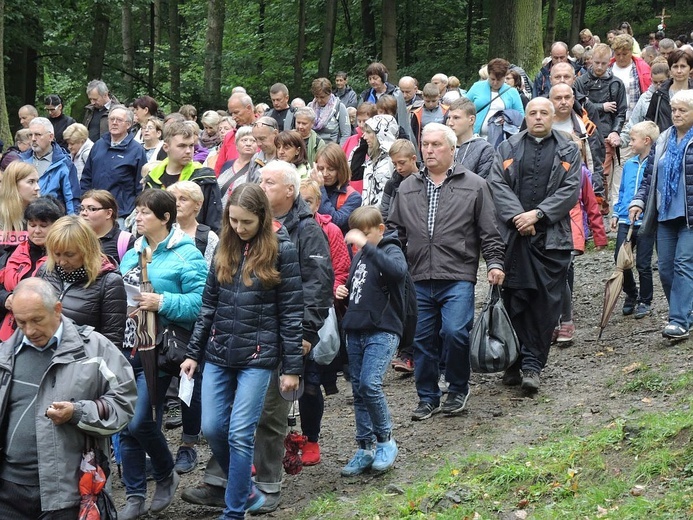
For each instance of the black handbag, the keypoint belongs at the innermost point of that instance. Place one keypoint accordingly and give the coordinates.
(171, 348)
(493, 344)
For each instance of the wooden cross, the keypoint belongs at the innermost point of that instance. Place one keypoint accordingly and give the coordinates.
(663, 16)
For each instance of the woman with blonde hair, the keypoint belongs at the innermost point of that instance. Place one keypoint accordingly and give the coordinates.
(88, 283)
(79, 145)
(18, 188)
(210, 138)
(189, 199)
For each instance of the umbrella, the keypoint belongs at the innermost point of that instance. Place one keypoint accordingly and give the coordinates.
(91, 483)
(146, 331)
(293, 443)
(614, 284)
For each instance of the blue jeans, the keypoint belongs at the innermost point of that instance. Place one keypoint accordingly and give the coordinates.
(675, 253)
(143, 436)
(370, 353)
(233, 401)
(643, 246)
(446, 309)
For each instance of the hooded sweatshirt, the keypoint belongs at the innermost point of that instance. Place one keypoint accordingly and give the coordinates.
(378, 168)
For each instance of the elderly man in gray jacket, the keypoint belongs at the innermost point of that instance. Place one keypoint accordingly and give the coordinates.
(535, 182)
(445, 218)
(60, 385)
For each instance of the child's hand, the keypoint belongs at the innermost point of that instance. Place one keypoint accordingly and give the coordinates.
(355, 237)
(341, 292)
(614, 223)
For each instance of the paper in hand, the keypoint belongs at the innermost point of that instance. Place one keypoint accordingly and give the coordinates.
(185, 389)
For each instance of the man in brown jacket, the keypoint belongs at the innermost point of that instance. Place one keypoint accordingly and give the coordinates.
(445, 218)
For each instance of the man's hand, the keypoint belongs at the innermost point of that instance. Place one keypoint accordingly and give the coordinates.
(341, 292)
(634, 213)
(496, 277)
(288, 383)
(614, 223)
(614, 139)
(60, 412)
(188, 367)
(355, 237)
(610, 106)
(306, 347)
(524, 222)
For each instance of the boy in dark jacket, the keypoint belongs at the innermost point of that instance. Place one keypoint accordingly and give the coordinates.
(373, 325)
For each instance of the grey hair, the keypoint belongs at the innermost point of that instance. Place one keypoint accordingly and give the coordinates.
(243, 98)
(448, 132)
(683, 96)
(305, 112)
(442, 77)
(562, 44)
(40, 287)
(44, 122)
(99, 86)
(267, 121)
(31, 109)
(289, 173)
(243, 131)
(210, 118)
(129, 115)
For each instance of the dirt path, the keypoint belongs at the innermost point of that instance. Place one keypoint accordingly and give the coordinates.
(581, 388)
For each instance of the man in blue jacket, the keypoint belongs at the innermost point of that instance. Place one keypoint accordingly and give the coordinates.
(115, 162)
(57, 174)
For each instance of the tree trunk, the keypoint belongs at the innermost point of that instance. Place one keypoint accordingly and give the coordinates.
(517, 42)
(368, 29)
(406, 28)
(5, 133)
(577, 21)
(261, 35)
(300, 47)
(390, 38)
(470, 20)
(156, 8)
(128, 50)
(99, 40)
(174, 51)
(152, 49)
(215, 35)
(550, 34)
(328, 38)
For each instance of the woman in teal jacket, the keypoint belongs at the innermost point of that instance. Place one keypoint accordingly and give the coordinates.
(490, 96)
(178, 272)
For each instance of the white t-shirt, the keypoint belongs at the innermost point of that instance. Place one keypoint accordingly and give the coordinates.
(625, 74)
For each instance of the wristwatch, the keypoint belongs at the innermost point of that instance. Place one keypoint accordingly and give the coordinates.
(540, 214)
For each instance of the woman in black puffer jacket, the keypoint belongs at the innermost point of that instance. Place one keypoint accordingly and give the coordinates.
(87, 282)
(250, 322)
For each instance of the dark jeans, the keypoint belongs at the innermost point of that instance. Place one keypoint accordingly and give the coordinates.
(643, 245)
(19, 502)
(311, 404)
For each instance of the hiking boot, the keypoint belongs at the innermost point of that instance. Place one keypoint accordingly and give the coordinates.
(455, 403)
(642, 310)
(424, 411)
(256, 500)
(566, 332)
(512, 376)
(403, 364)
(164, 493)
(385, 455)
(272, 501)
(186, 460)
(204, 495)
(672, 331)
(443, 384)
(530, 380)
(359, 463)
(310, 454)
(629, 306)
(134, 508)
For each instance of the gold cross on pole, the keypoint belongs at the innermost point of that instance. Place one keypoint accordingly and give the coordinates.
(663, 16)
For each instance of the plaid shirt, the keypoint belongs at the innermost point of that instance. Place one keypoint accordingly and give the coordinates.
(632, 90)
(433, 194)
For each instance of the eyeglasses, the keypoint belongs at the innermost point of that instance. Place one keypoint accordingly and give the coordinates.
(89, 209)
(116, 120)
(52, 109)
(260, 123)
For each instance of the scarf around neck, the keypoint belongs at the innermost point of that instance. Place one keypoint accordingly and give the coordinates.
(73, 276)
(673, 165)
(323, 114)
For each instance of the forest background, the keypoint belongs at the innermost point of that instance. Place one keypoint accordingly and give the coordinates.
(196, 51)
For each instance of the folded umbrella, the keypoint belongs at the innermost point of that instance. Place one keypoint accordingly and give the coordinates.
(612, 289)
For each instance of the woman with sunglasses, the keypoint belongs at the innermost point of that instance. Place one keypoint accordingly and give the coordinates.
(54, 108)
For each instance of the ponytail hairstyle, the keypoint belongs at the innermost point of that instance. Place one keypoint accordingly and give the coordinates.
(261, 252)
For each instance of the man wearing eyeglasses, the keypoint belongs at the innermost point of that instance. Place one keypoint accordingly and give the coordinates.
(57, 174)
(96, 112)
(115, 162)
(54, 108)
(264, 132)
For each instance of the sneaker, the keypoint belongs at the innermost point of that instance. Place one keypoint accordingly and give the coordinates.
(310, 454)
(530, 380)
(672, 331)
(134, 508)
(629, 306)
(175, 419)
(403, 364)
(642, 310)
(272, 501)
(256, 500)
(512, 376)
(566, 332)
(204, 495)
(554, 335)
(454, 404)
(186, 460)
(443, 384)
(385, 455)
(359, 463)
(424, 411)
(164, 493)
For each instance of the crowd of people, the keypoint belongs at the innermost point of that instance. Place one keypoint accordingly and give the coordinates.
(245, 235)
